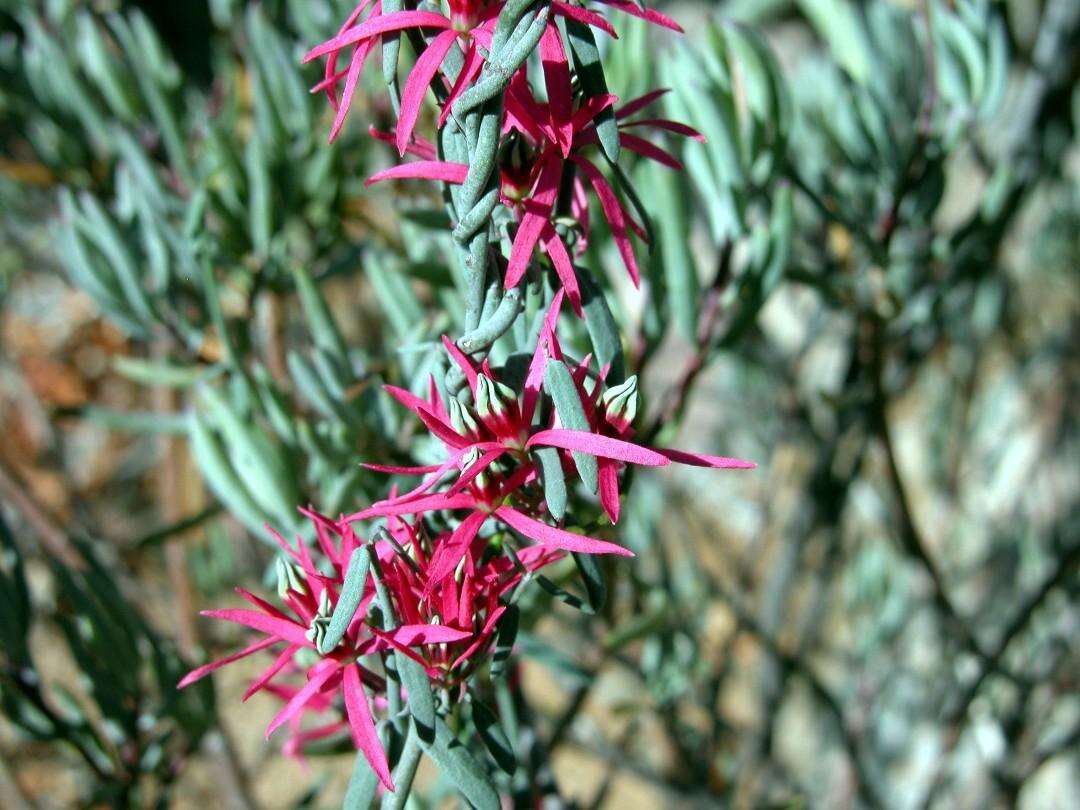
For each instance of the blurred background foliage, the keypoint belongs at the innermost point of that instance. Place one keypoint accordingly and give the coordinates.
(865, 281)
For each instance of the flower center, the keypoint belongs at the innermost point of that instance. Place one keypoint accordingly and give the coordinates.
(464, 14)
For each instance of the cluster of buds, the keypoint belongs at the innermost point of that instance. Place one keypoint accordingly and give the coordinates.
(442, 560)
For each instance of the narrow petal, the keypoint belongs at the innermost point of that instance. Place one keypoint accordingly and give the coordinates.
(262, 604)
(420, 147)
(436, 423)
(440, 170)
(592, 107)
(537, 215)
(564, 267)
(327, 82)
(364, 735)
(609, 488)
(438, 473)
(583, 15)
(392, 470)
(407, 398)
(414, 507)
(206, 669)
(546, 346)
(267, 674)
(613, 212)
(331, 61)
(463, 362)
(640, 103)
(272, 626)
(650, 15)
(410, 635)
(557, 81)
(325, 670)
(597, 445)
(522, 105)
(557, 538)
(669, 126)
(450, 437)
(356, 66)
(701, 460)
(477, 467)
(650, 150)
(450, 553)
(474, 61)
(378, 25)
(481, 638)
(427, 65)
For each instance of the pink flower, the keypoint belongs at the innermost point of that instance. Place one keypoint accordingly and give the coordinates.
(488, 449)
(539, 125)
(451, 580)
(308, 597)
(469, 26)
(547, 135)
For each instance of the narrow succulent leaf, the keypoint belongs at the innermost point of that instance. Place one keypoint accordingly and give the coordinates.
(554, 479)
(493, 736)
(461, 769)
(603, 331)
(417, 686)
(160, 372)
(352, 591)
(254, 456)
(563, 391)
(213, 464)
(135, 421)
(318, 316)
(504, 641)
(595, 586)
(363, 785)
(838, 23)
(679, 271)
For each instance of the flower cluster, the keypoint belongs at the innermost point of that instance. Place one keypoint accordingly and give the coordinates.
(448, 625)
(446, 554)
(451, 548)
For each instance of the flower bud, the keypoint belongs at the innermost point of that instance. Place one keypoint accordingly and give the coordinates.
(620, 404)
(320, 622)
(516, 169)
(462, 420)
(492, 397)
(471, 456)
(288, 578)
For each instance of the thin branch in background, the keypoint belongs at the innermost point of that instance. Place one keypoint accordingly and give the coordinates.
(911, 539)
(673, 401)
(54, 540)
(1064, 570)
(866, 785)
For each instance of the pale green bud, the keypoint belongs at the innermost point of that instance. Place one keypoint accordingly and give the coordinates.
(620, 403)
